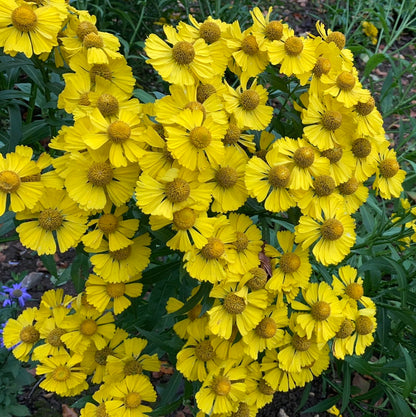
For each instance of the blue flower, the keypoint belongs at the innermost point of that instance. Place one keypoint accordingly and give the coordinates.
(17, 292)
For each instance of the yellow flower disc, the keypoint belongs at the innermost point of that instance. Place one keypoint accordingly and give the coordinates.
(249, 100)
(266, 328)
(50, 219)
(333, 154)
(332, 229)
(118, 131)
(221, 385)
(132, 400)
(85, 28)
(184, 219)
(347, 327)
(332, 120)
(304, 157)
(132, 367)
(338, 38)
(9, 181)
(103, 70)
(61, 373)
(214, 249)
(354, 290)
(88, 327)
(24, 18)
(29, 334)
(289, 263)
(249, 45)
(364, 325)
(301, 343)
(324, 185)
(183, 53)
(361, 148)
(101, 411)
(389, 168)
(204, 351)
(259, 279)
(243, 410)
(349, 187)
(241, 244)
(293, 46)
(200, 137)
(274, 30)
(108, 105)
(233, 134)
(210, 32)
(93, 40)
(322, 66)
(364, 109)
(234, 304)
(178, 190)
(279, 176)
(54, 337)
(100, 174)
(121, 254)
(346, 81)
(108, 223)
(84, 99)
(321, 310)
(265, 388)
(100, 356)
(115, 289)
(204, 91)
(226, 177)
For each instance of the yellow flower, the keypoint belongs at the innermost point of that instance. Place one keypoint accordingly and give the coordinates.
(341, 163)
(259, 392)
(364, 150)
(370, 122)
(371, 31)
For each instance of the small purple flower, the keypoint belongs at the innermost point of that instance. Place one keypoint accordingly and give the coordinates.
(17, 292)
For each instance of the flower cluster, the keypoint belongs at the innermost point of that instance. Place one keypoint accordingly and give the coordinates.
(190, 161)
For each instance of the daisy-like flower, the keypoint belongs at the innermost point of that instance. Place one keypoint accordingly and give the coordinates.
(120, 265)
(248, 106)
(22, 194)
(63, 374)
(117, 231)
(259, 392)
(195, 142)
(127, 397)
(341, 163)
(368, 118)
(100, 293)
(354, 193)
(331, 232)
(20, 334)
(223, 389)
(56, 216)
(181, 63)
(27, 28)
(364, 150)
(235, 138)
(324, 312)
(51, 301)
(238, 306)
(365, 326)
(270, 30)
(17, 293)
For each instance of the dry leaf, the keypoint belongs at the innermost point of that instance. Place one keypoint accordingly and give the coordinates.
(68, 411)
(362, 383)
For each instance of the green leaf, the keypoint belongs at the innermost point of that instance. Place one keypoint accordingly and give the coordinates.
(143, 96)
(50, 264)
(82, 402)
(305, 396)
(323, 405)
(15, 127)
(400, 407)
(167, 409)
(373, 62)
(410, 373)
(80, 271)
(171, 390)
(18, 410)
(346, 385)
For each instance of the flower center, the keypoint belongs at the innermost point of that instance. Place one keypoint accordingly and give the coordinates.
(259, 279)
(389, 168)
(132, 367)
(115, 289)
(214, 249)
(54, 337)
(31, 178)
(349, 187)
(102, 70)
(346, 81)
(84, 99)
(61, 373)
(9, 181)
(24, 18)
(301, 343)
(249, 100)
(221, 385)
(338, 38)
(184, 219)
(108, 223)
(364, 325)
(178, 190)
(243, 410)
(279, 176)
(324, 185)
(88, 327)
(361, 147)
(108, 105)
(226, 177)
(347, 327)
(332, 229)
(304, 157)
(265, 388)
(266, 328)
(120, 254)
(101, 355)
(50, 219)
(29, 334)
(118, 131)
(210, 32)
(16, 293)
(132, 400)
(234, 304)
(204, 91)
(321, 310)
(196, 105)
(93, 40)
(200, 137)
(249, 45)
(84, 29)
(364, 109)
(354, 290)
(241, 244)
(289, 263)
(194, 312)
(293, 46)
(204, 351)
(322, 66)
(183, 53)
(333, 154)
(331, 120)
(100, 174)
(101, 411)
(233, 134)
(274, 30)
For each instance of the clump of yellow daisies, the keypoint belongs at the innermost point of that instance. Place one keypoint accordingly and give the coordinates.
(189, 162)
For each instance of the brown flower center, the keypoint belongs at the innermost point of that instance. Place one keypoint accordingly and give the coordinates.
(243, 410)
(120, 254)
(349, 187)
(265, 388)
(178, 190)
(234, 304)
(204, 91)
(361, 148)
(132, 400)
(108, 105)
(289, 263)
(118, 131)
(226, 177)
(347, 327)
(241, 244)
(301, 343)
(249, 45)
(115, 289)
(100, 174)
(29, 334)
(183, 53)
(50, 219)
(322, 66)
(210, 32)
(132, 367)
(93, 40)
(293, 46)
(233, 134)
(354, 290)
(333, 154)
(24, 18)
(304, 157)
(338, 38)
(364, 325)
(324, 185)
(88, 327)
(214, 249)
(346, 81)
(221, 385)
(332, 229)
(274, 30)
(259, 279)
(200, 137)
(364, 109)
(85, 28)
(9, 181)
(61, 373)
(204, 351)
(266, 328)
(332, 120)
(321, 310)
(101, 355)
(102, 70)
(84, 99)
(249, 100)
(389, 168)
(108, 223)
(279, 176)
(184, 219)
(54, 337)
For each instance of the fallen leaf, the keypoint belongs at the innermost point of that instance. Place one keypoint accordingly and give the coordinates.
(360, 382)
(68, 411)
